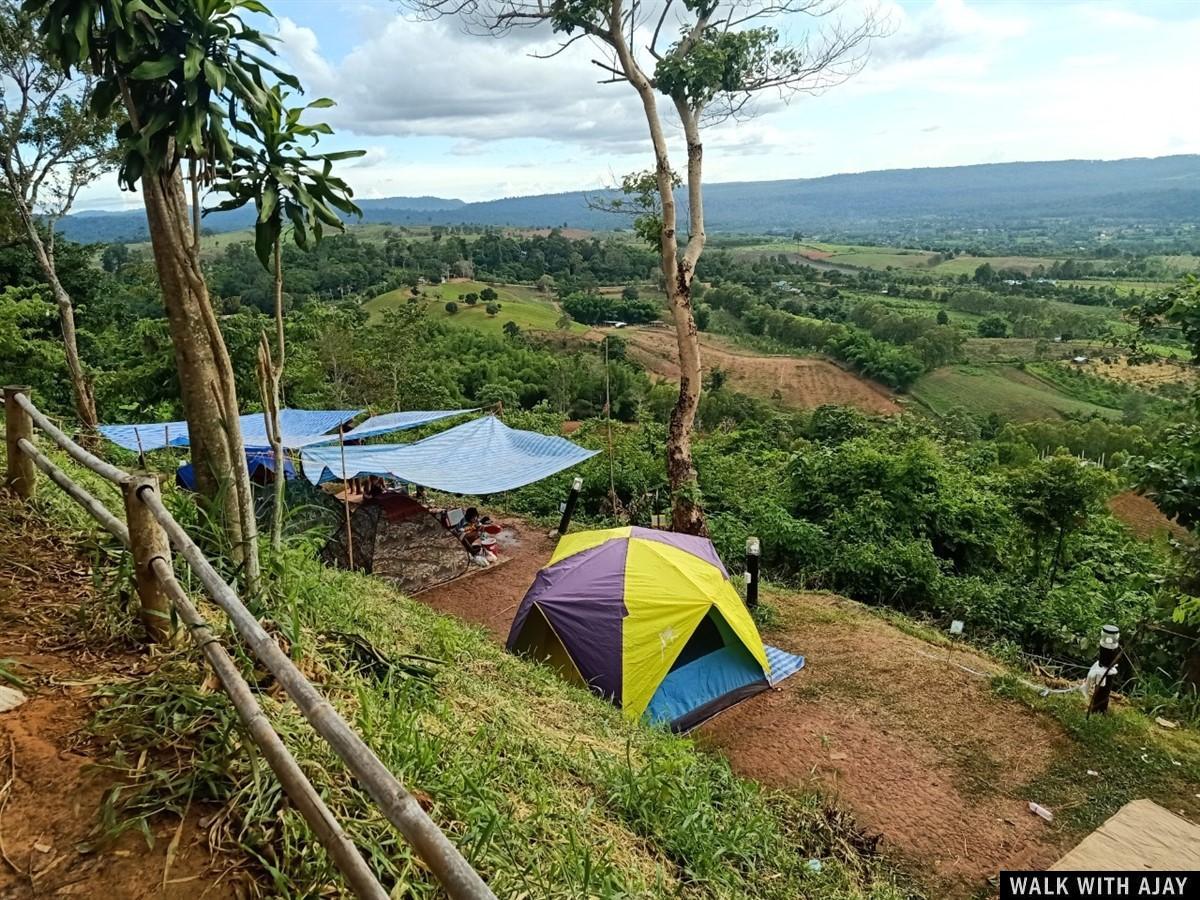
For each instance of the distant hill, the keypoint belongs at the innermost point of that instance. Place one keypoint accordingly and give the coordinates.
(1159, 192)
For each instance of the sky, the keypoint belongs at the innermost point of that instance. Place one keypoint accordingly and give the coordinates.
(446, 113)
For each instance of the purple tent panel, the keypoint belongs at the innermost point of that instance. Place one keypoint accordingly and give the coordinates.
(583, 599)
(689, 543)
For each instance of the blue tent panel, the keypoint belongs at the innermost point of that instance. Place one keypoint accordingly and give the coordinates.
(299, 427)
(483, 456)
(703, 687)
(720, 678)
(255, 459)
(400, 421)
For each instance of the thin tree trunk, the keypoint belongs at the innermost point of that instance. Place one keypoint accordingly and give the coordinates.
(205, 370)
(276, 376)
(81, 384)
(1058, 551)
(687, 515)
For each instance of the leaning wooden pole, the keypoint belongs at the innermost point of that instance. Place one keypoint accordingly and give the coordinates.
(295, 783)
(21, 477)
(458, 879)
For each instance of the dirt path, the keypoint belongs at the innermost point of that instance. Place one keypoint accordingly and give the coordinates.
(50, 787)
(798, 382)
(918, 749)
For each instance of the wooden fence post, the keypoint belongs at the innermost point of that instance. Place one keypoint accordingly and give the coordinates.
(147, 540)
(21, 477)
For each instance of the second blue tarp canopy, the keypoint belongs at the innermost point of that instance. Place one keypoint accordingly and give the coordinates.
(483, 456)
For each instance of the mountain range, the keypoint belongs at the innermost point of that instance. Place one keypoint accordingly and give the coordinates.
(1156, 192)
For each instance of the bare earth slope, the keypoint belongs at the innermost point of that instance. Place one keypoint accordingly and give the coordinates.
(51, 785)
(797, 382)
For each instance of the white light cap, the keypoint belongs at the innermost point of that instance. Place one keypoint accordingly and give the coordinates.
(753, 548)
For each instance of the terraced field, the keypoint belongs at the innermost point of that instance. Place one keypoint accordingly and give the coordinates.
(1005, 390)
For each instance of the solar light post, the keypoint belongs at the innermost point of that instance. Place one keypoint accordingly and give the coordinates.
(753, 554)
(568, 508)
(1110, 645)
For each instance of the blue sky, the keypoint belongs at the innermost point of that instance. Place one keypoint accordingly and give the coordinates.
(445, 113)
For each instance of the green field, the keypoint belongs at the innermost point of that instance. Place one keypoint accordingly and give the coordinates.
(1005, 390)
(523, 305)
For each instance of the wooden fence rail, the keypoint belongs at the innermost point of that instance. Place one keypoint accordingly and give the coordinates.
(148, 527)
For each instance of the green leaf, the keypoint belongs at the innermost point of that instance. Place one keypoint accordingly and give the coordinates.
(321, 103)
(265, 235)
(270, 199)
(154, 68)
(193, 57)
(214, 75)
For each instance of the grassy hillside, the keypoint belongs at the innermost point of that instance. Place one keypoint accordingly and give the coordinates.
(1005, 390)
(523, 305)
(549, 791)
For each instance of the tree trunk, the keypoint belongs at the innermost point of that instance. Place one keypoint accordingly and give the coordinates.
(206, 381)
(81, 384)
(274, 370)
(687, 515)
(1057, 560)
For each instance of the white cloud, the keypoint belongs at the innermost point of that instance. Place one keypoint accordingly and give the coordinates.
(426, 78)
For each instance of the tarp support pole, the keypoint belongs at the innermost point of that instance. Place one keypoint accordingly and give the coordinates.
(569, 507)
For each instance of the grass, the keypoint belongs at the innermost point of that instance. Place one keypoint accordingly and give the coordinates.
(523, 305)
(549, 791)
(1005, 390)
(1133, 757)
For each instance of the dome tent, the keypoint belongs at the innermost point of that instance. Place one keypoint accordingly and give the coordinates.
(649, 620)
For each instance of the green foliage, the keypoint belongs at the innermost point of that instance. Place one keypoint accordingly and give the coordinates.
(592, 309)
(993, 327)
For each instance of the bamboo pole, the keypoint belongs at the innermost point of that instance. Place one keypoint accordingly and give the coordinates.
(98, 510)
(21, 477)
(147, 542)
(460, 881)
(299, 789)
(83, 457)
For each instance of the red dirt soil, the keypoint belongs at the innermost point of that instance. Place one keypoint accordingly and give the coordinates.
(916, 748)
(1143, 517)
(798, 382)
(50, 784)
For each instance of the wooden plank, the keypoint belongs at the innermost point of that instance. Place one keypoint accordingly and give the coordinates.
(1142, 835)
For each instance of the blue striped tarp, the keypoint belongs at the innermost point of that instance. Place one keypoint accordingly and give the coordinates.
(400, 421)
(483, 456)
(300, 427)
(782, 664)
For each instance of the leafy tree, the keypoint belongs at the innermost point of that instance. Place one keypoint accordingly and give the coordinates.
(281, 177)
(180, 76)
(630, 292)
(487, 295)
(1054, 497)
(985, 274)
(50, 148)
(113, 257)
(512, 330)
(721, 57)
(451, 307)
(471, 299)
(492, 308)
(943, 317)
(993, 327)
